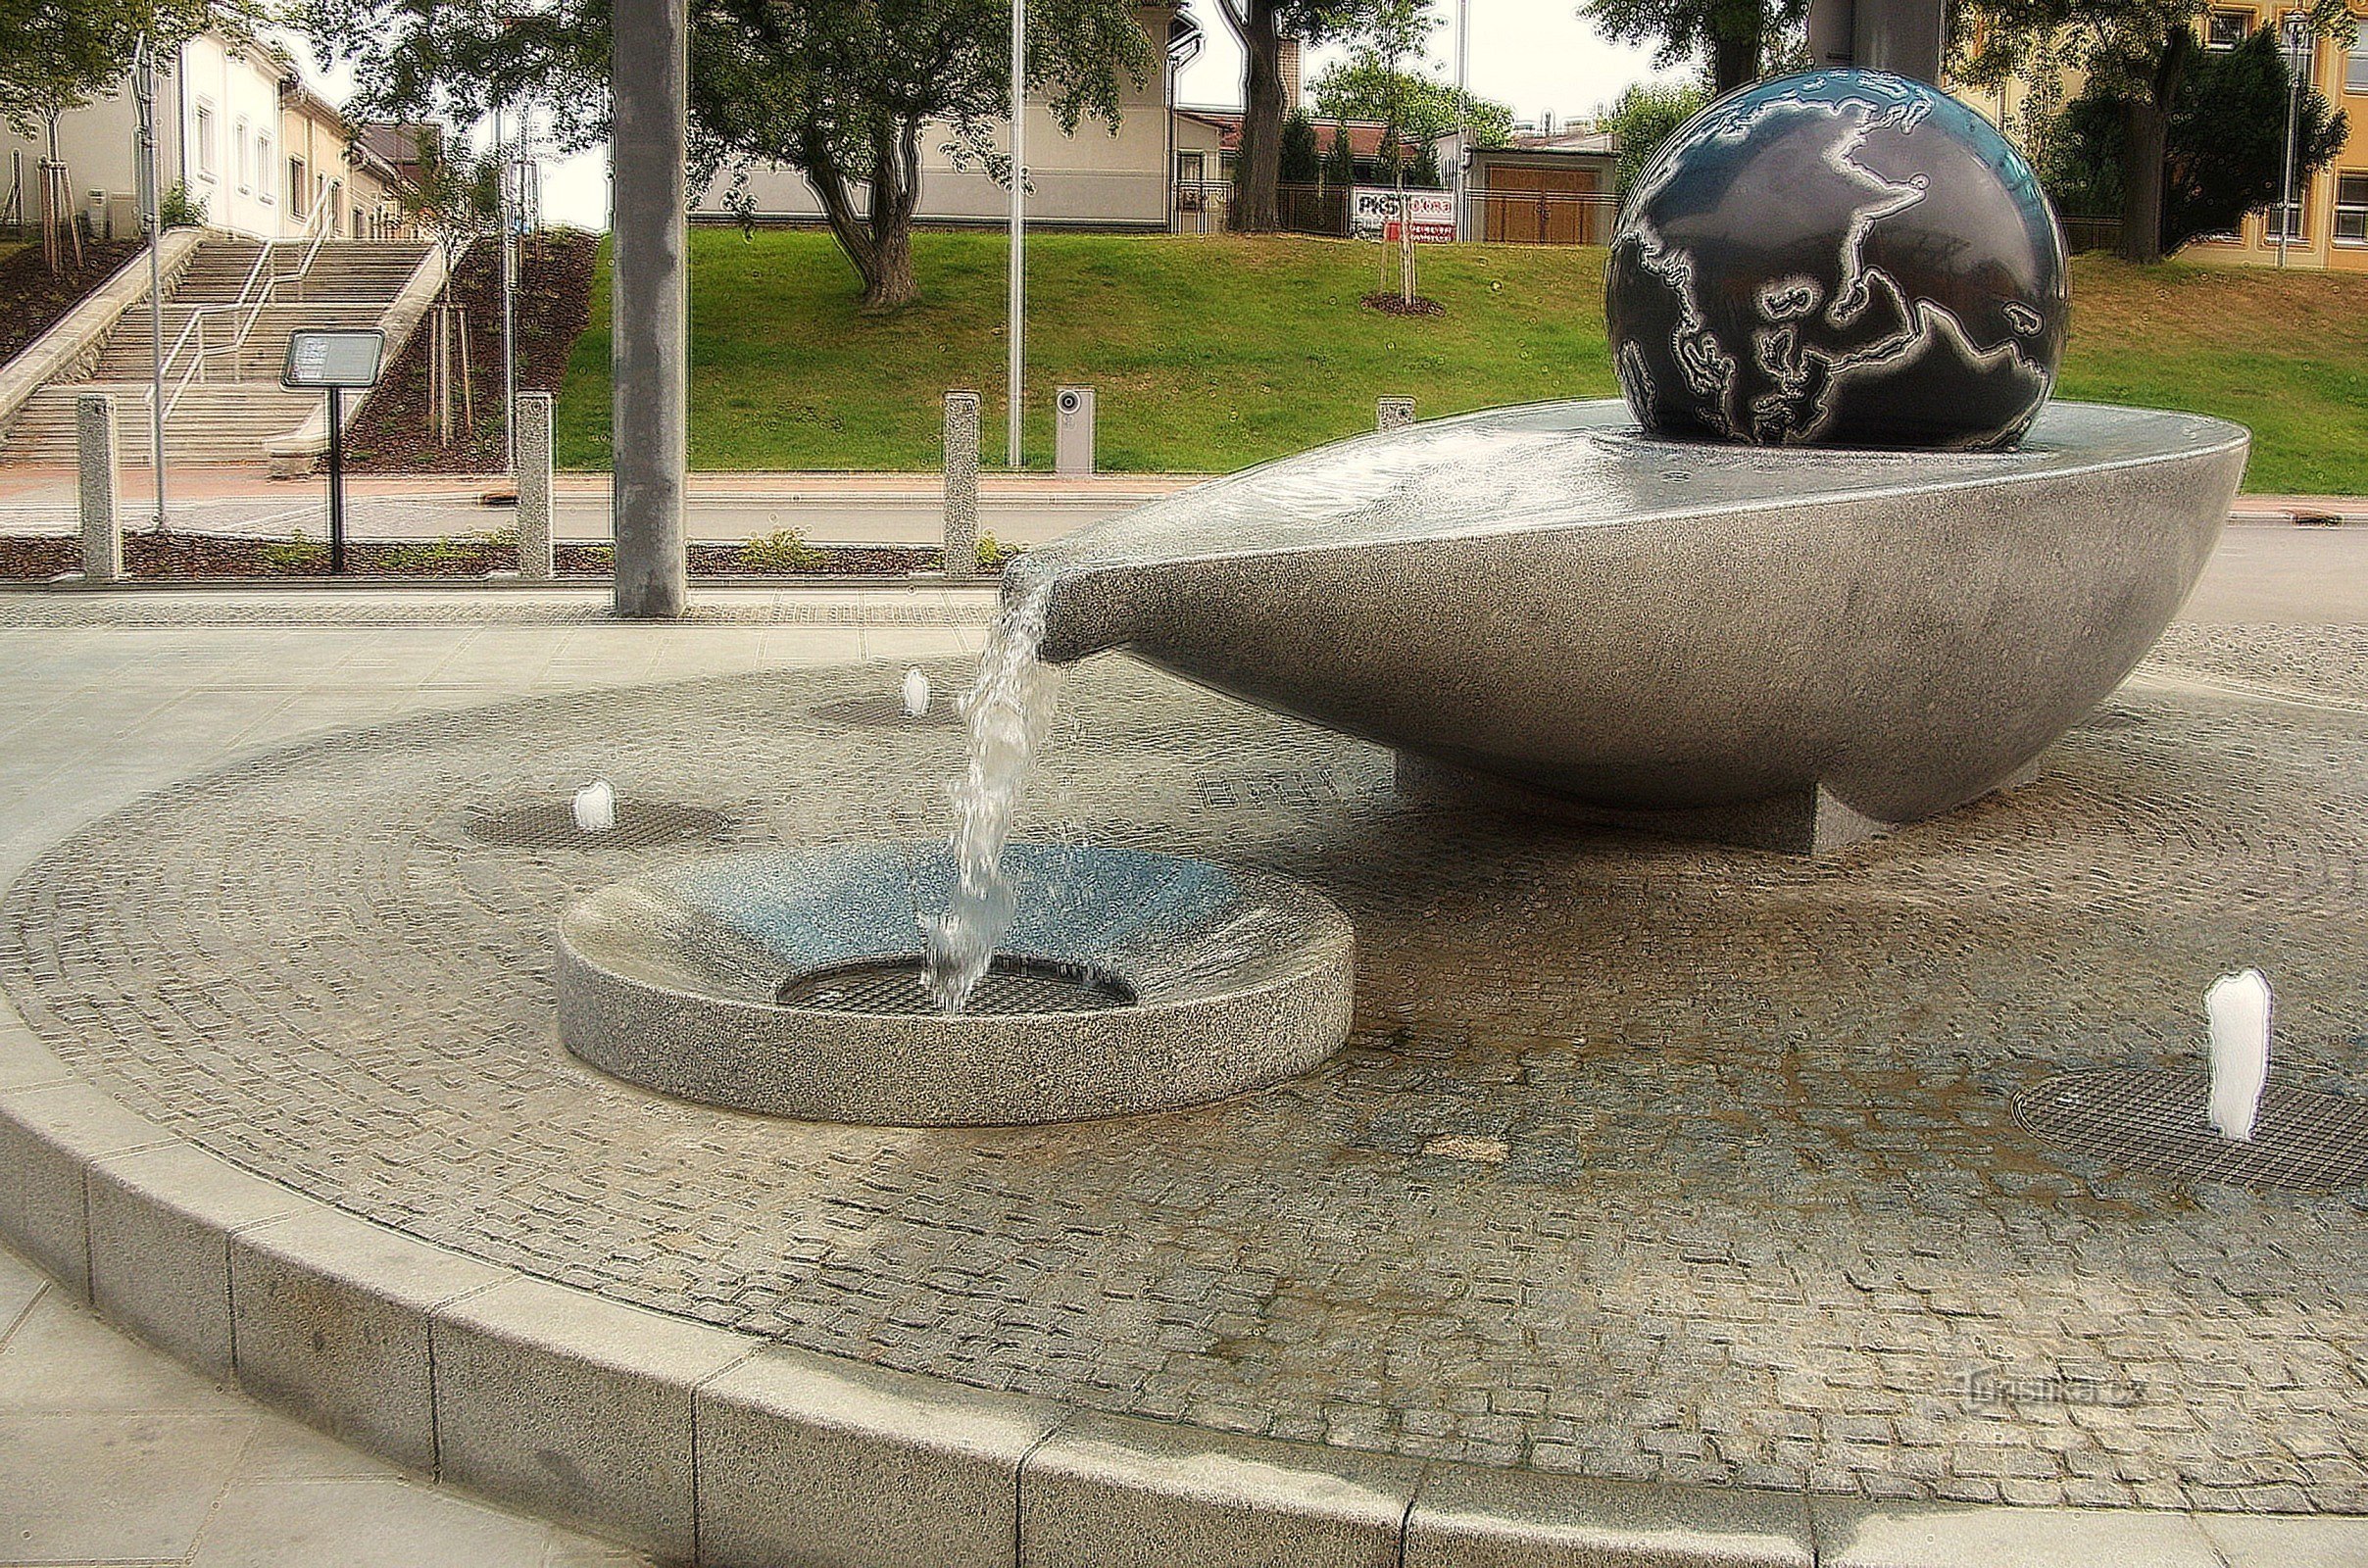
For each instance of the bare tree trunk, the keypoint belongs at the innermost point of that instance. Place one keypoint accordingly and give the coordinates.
(1259, 165)
(877, 242)
(2146, 147)
(2147, 134)
(1735, 57)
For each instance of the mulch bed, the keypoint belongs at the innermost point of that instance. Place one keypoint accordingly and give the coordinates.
(32, 297)
(190, 557)
(1388, 301)
(553, 302)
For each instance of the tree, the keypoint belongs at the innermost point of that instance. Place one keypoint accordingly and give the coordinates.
(1340, 160)
(1362, 89)
(2224, 149)
(843, 93)
(56, 57)
(2138, 57)
(1301, 162)
(1260, 27)
(1736, 36)
(1646, 116)
(1422, 171)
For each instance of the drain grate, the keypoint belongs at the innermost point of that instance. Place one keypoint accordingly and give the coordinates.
(640, 825)
(2153, 1119)
(888, 713)
(1013, 985)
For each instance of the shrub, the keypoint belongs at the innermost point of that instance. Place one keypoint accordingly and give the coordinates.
(784, 550)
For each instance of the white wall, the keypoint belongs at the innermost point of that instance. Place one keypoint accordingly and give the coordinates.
(227, 98)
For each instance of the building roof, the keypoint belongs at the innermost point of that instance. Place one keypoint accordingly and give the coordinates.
(1599, 143)
(1365, 137)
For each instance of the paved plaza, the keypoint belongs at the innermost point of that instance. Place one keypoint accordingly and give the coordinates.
(1645, 1161)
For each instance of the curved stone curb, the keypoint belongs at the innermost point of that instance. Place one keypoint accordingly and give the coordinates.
(704, 1445)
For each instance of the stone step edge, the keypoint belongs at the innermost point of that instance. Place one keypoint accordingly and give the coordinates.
(704, 1445)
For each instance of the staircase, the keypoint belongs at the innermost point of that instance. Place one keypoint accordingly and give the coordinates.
(235, 402)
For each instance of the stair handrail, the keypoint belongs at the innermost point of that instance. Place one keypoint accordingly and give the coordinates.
(262, 281)
(313, 226)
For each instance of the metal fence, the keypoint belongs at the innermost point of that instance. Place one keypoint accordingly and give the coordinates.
(2089, 233)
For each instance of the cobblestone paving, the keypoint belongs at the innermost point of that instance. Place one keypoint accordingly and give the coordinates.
(1645, 1160)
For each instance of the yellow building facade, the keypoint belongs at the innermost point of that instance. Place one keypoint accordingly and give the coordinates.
(2330, 230)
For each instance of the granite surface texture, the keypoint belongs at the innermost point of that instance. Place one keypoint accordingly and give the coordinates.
(1233, 980)
(1547, 597)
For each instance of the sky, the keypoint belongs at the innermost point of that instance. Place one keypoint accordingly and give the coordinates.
(1534, 55)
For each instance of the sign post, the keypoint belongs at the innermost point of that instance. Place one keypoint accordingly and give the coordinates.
(334, 361)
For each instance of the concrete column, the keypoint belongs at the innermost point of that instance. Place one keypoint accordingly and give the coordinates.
(1391, 412)
(649, 365)
(1904, 37)
(534, 486)
(102, 531)
(961, 484)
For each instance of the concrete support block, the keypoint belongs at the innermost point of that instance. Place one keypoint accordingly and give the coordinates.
(805, 1462)
(650, 357)
(1864, 1534)
(575, 1407)
(1391, 413)
(330, 1318)
(961, 484)
(161, 1223)
(1471, 1516)
(1110, 1491)
(102, 479)
(534, 486)
(48, 1137)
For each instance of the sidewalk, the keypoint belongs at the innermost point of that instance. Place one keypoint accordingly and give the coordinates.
(827, 507)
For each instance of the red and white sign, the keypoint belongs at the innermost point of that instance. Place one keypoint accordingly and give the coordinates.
(1373, 213)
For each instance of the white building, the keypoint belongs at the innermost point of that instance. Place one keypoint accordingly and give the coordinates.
(224, 107)
(1105, 175)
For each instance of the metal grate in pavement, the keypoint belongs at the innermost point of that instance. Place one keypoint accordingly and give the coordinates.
(1013, 985)
(2153, 1119)
(640, 825)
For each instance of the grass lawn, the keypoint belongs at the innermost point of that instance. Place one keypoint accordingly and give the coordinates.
(1212, 353)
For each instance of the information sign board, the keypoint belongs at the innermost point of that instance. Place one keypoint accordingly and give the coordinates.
(340, 359)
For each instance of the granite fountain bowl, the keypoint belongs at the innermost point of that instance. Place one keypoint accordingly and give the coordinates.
(786, 982)
(1549, 608)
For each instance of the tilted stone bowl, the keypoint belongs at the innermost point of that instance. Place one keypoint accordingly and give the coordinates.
(1209, 981)
(1797, 646)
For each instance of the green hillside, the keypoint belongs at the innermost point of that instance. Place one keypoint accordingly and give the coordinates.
(1211, 353)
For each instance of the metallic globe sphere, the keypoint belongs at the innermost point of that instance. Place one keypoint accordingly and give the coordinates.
(1841, 258)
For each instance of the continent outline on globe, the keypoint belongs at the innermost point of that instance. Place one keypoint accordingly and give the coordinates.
(1838, 258)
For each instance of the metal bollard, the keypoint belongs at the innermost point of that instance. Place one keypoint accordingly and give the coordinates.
(102, 531)
(961, 484)
(1391, 413)
(534, 486)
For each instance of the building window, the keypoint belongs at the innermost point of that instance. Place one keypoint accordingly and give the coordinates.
(2355, 66)
(2287, 218)
(240, 150)
(295, 185)
(2225, 29)
(2352, 209)
(262, 167)
(205, 140)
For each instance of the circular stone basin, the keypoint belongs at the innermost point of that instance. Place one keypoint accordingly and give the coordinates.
(787, 982)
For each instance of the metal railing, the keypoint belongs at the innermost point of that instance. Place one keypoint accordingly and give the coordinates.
(262, 281)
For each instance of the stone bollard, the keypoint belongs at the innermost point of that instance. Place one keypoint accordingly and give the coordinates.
(1390, 414)
(102, 531)
(534, 486)
(961, 484)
